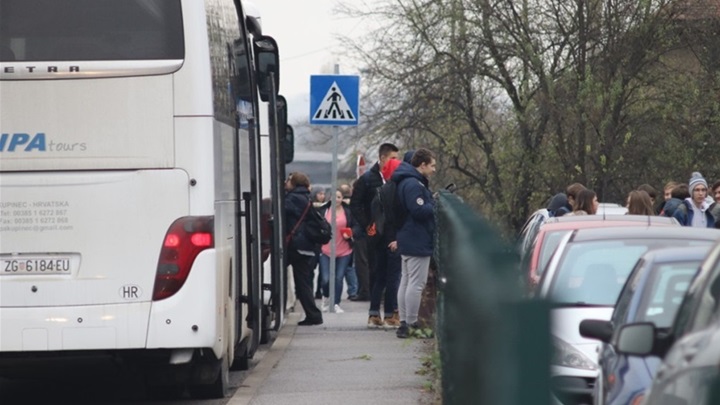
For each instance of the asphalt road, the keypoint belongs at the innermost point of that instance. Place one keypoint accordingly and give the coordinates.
(98, 383)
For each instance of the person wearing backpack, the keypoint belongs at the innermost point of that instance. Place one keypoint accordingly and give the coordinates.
(364, 190)
(694, 211)
(387, 260)
(301, 252)
(415, 238)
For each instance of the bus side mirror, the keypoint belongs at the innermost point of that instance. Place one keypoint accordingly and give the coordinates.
(289, 144)
(267, 61)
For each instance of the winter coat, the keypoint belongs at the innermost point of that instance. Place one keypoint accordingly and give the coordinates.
(351, 223)
(364, 191)
(295, 202)
(559, 205)
(415, 237)
(685, 216)
(670, 206)
(715, 211)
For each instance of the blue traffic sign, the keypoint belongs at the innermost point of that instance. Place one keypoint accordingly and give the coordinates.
(334, 99)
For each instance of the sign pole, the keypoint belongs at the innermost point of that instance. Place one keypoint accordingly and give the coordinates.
(333, 207)
(334, 100)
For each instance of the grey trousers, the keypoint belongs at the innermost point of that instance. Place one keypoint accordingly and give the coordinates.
(412, 282)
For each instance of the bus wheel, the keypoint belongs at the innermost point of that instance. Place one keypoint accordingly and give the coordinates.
(217, 388)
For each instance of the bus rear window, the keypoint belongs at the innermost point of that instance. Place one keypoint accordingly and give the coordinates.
(90, 30)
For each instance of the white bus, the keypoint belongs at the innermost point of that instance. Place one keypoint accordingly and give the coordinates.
(129, 186)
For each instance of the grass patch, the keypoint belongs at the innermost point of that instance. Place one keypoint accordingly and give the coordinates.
(431, 369)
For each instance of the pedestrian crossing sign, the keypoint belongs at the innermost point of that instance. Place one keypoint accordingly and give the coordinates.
(334, 99)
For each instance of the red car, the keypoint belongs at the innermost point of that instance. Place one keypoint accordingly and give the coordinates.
(552, 231)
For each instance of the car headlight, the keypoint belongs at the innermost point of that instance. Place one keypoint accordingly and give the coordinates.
(567, 356)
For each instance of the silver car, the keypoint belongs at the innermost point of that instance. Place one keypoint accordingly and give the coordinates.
(583, 281)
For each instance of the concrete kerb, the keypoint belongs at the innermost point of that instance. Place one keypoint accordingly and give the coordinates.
(262, 370)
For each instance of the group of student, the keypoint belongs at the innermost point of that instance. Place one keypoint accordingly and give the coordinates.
(387, 227)
(692, 204)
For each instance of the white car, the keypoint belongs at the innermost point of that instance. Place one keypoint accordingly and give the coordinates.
(611, 209)
(583, 281)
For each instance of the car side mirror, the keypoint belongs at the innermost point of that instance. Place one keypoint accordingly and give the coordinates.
(636, 339)
(596, 329)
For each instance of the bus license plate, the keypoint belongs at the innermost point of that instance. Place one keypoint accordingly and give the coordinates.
(35, 265)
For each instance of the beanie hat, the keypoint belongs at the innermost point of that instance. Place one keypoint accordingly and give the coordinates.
(695, 180)
(389, 168)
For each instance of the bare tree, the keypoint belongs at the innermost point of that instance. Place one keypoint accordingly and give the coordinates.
(520, 96)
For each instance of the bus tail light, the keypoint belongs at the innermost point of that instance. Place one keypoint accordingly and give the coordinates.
(184, 240)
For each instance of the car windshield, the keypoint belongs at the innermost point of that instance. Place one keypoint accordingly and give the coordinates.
(593, 272)
(665, 292)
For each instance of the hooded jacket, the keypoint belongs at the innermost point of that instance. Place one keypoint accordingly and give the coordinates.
(407, 157)
(295, 202)
(670, 206)
(559, 205)
(415, 237)
(685, 216)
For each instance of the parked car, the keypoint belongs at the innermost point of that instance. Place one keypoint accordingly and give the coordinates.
(583, 281)
(611, 209)
(530, 230)
(553, 229)
(690, 371)
(652, 293)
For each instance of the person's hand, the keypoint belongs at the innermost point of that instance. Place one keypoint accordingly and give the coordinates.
(371, 231)
(393, 246)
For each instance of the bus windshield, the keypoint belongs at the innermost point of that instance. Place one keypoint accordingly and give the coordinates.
(90, 30)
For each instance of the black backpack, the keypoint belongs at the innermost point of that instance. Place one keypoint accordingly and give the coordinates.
(317, 228)
(387, 211)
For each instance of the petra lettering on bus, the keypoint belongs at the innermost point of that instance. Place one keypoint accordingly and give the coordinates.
(32, 69)
(22, 142)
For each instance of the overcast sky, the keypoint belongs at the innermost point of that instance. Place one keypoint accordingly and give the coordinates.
(306, 32)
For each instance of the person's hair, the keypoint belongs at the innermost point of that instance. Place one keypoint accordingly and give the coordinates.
(639, 203)
(650, 190)
(299, 179)
(421, 156)
(346, 190)
(584, 201)
(316, 192)
(574, 190)
(681, 192)
(670, 185)
(715, 186)
(386, 149)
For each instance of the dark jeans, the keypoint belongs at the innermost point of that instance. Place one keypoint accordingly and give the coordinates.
(387, 280)
(362, 266)
(303, 267)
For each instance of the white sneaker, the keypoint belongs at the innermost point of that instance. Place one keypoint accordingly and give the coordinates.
(338, 309)
(324, 307)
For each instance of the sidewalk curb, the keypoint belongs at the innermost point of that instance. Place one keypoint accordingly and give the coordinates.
(257, 376)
